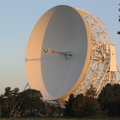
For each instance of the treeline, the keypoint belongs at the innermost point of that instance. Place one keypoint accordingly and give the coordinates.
(29, 103)
(106, 105)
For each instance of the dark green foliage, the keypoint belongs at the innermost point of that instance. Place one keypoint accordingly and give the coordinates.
(26, 103)
(8, 101)
(109, 99)
(1, 104)
(29, 103)
(85, 106)
(91, 92)
(68, 106)
(50, 109)
(54, 109)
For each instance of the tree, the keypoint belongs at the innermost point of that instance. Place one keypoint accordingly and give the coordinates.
(8, 92)
(26, 103)
(109, 99)
(85, 106)
(9, 101)
(68, 106)
(91, 92)
(54, 108)
(29, 103)
(1, 104)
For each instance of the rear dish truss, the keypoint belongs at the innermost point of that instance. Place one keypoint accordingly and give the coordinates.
(102, 68)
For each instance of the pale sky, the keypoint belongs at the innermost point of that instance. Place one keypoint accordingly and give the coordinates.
(17, 19)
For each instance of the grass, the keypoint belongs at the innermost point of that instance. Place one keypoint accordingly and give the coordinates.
(59, 119)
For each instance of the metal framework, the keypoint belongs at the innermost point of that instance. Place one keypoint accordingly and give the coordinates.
(102, 67)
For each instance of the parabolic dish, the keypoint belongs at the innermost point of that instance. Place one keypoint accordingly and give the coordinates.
(61, 29)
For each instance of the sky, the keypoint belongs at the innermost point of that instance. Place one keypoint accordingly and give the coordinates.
(17, 19)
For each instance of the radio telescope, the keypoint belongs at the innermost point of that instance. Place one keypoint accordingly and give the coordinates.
(68, 51)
